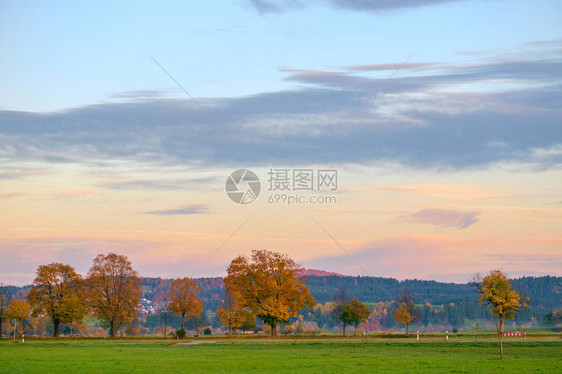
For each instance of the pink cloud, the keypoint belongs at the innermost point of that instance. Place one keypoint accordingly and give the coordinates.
(446, 218)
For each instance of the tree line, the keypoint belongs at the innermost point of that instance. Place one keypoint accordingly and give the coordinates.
(266, 286)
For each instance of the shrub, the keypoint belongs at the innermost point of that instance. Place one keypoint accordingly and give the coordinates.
(180, 333)
(207, 331)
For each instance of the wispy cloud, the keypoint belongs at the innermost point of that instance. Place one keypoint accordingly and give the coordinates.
(445, 218)
(277, 6)
(188, 209)
(70, 193)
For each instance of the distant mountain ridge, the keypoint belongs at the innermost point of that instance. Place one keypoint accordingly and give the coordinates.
(321, 273)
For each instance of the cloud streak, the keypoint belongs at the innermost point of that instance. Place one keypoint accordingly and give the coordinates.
(188, 209)
(268, 6)
(446, 218)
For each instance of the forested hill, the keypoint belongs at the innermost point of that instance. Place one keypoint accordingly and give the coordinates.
(544, 292)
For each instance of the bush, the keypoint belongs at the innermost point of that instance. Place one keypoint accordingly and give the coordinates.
(207, 331)
(180, 333)
(455, 330)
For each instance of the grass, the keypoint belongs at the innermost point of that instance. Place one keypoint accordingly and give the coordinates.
(277, 356)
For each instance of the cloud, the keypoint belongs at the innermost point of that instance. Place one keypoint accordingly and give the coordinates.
(392, 66)
(278, 6)
(162, 185)
(458, 116)
(67, 192)
(10, 195)
(11, 172)
(188, 209)
(140, 94)
(445, 218)
(268, 6)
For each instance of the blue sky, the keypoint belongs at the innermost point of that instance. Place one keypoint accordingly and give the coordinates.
(59, 55)
(443, 119)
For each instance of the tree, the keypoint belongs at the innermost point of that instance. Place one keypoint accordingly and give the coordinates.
(18, 310)
(497, 296)
(406, 311)
(248, 321)
(55, 292)
(184, 300)
(269, 285)
(113, 289)
(229, 314)
(402, 315)
(3, 307)
(74, 311)
(354, 312)
(165, 315)
(340, 299)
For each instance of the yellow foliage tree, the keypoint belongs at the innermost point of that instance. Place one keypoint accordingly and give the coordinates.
(269, 284)
(18, 310)
(229, 314)
(55, 293)
(402, 315)
(497, 296)
(184, 300)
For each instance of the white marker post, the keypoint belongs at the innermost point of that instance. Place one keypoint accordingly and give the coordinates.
(447, 335)
(418, 335)
(15, 323)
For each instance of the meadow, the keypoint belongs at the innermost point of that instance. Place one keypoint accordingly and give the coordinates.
(281, 355)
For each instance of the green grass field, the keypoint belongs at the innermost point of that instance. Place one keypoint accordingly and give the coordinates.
(278, 356)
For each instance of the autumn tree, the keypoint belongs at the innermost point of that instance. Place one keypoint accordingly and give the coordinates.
(18, 310)
(113, 289)
(406, 311)
(402, 314)
(229, 314)
(353, 313)
(269, 285)
(3, 307)
(184, 300)
(248, 321)
(497, 296)
(55, 292)
(339, 300)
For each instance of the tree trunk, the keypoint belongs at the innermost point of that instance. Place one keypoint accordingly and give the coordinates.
(56, 324)
(344, 329)
(182, 319)
(165, 328)
(502, 324)
(112, 328)
(407, 328)
(499, 329)
(273, 329)
(229, 329)
(121, 328)
(0, 329)
(355, 330)
(501, 347)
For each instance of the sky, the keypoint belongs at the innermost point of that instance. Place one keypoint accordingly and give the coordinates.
(120, 124)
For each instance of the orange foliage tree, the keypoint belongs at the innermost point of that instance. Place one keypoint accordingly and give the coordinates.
(269, 285)
(113, 290)
(184, 300)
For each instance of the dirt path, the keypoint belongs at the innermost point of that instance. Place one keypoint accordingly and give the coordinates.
(187, 344)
